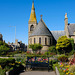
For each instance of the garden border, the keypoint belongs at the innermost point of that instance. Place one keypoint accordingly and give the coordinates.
(56, 71)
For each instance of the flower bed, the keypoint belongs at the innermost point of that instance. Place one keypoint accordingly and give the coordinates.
(65, 68)
(37, 59)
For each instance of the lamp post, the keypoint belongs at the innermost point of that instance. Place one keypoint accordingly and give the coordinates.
(15, 31)
(48, 56)
(48, 59)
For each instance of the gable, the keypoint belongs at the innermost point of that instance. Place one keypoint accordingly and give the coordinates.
(71, 29)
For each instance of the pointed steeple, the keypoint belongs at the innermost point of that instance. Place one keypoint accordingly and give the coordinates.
(33, 5)
(33, 15)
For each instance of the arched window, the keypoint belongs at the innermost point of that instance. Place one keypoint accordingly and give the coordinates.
(34, 40)
(31, 28)
(45, 41)
(39, 40)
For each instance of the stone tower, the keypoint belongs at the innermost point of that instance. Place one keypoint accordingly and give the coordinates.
(32, 22)
(66, 25)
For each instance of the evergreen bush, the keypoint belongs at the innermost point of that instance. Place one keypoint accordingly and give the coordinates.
(63, 58)
(4, 61)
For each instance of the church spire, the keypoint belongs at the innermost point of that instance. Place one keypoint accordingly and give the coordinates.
(33, 15)
(33, 5)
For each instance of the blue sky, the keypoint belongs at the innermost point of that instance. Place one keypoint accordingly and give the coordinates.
(17, 13)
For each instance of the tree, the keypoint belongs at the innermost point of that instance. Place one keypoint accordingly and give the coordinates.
(63, 44)
(4, 48)
(35, 47)
(52, 49)
(1, 43)
(72, 42)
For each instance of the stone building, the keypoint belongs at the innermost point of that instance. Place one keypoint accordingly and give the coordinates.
(39, 32)
(69, 28)
(17, 45)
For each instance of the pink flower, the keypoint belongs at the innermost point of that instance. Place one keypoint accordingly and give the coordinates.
(43, 59)
(29, 59)
(38, 60)
(33, 59)
(61, 63)
(46, 59)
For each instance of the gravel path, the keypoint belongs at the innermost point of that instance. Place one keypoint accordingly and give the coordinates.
(38, 73)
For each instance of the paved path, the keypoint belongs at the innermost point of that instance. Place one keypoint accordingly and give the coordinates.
(38, 73)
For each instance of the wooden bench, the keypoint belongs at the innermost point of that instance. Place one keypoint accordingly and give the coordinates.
(39, 65)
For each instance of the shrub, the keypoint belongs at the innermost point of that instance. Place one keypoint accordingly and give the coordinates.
(54, 61)
(35, 47)
(72, 68)
(28, 52)
(72, 61)
(4, 61)
(18, 59)
(72, 42)
(63, 58)
(2, 72)
(47, 53)
(63, 45)
(52, 53)
(11, 60)
(7, 68)
(52, 49)
(55, 65)
(4, 48)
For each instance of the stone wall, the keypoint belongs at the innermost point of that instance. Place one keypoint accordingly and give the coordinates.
(73, 38)
(45, 46)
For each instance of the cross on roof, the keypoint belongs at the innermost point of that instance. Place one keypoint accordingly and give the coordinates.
(41, 16)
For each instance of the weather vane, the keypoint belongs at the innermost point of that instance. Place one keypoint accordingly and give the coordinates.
(33, 0)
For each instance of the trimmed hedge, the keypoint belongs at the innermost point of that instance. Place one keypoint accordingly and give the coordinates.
(4, 61)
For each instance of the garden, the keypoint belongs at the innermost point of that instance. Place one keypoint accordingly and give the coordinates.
(61, 56)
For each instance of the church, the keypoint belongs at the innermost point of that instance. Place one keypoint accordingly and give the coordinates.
(39, 32)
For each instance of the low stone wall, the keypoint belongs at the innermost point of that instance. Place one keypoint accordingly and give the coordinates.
(56, 70)
(15, 71)
(12, 72)
(4, 57)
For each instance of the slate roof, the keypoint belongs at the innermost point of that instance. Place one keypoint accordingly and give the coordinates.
(41, 29)
(57, 34)
(71, 29)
